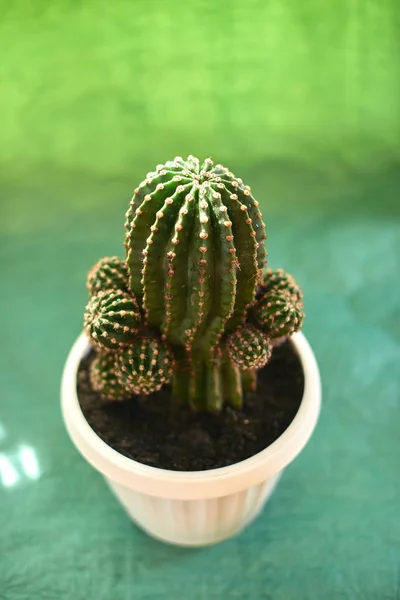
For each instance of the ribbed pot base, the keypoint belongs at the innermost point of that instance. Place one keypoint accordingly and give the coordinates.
(195, 522)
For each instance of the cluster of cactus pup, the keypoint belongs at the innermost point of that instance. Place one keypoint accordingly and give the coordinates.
(192, 303)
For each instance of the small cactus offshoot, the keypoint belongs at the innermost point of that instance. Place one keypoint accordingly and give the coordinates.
(278, 310)
(190, 303)
(249, 348)
(278, 314)
(144, 366)
(109, 273)
(104, 378)
(280, 281)
(112, 319)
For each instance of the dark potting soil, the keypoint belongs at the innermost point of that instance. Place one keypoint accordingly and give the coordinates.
(152, 431)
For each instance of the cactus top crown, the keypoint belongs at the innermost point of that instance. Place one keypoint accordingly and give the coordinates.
(195, 250)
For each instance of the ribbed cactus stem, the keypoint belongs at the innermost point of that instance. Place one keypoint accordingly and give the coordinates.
(195, 252)
(231, 382)
(181, 378)
(249, 380)
(177, 275)
(153, 271)
(214, 389)
(197, 386)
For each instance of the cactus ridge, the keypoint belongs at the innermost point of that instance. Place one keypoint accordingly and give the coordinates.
(153, 269)
(112, 319)
(236, 186)
(109, 273)
(247, 272)
(144, 366)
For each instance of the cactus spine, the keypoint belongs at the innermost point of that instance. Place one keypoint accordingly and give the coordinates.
(195, 252)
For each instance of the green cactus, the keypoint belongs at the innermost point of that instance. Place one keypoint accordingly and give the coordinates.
(109, 273)
(144, 366)
(193, 289)
(278, 313)
(249, 380)
(104, 379)
(249, 348)
(196, 233)
(112, 319)
(278, 310)
(280, 281)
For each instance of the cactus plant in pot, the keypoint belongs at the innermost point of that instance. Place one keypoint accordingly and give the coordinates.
(191, 387)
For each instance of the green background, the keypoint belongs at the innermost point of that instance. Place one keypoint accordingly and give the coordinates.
(302, 100)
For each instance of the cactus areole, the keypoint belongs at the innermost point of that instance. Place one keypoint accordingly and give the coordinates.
(195, 273)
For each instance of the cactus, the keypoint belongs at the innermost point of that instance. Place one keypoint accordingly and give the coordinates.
(112, 319)
(109, 273)
(104, 379)
(278, 313)
(196, 233)
(249, 348)
(246, 350)
(278, 310)
(144, 366)
(279, 281)
(198, 305)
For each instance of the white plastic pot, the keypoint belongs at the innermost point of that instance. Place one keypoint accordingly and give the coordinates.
(199, 507)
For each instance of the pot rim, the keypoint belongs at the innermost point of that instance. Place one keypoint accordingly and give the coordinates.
(186, 485)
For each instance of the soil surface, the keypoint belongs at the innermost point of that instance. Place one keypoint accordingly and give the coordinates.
(152, 431)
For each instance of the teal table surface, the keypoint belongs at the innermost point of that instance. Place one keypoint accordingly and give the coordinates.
(301, 100)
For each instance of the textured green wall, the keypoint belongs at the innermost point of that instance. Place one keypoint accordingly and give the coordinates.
(103, 86)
